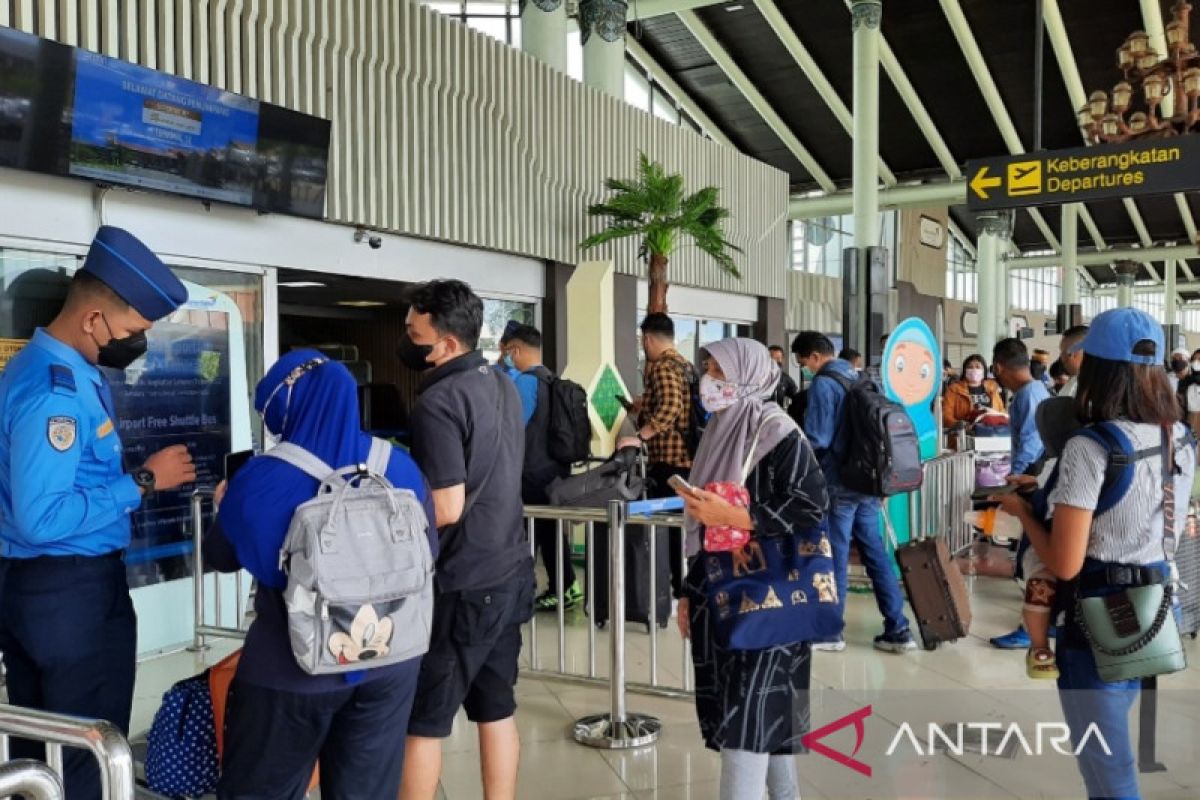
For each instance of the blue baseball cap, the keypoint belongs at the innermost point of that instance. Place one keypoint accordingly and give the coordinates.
(1114, 334)
(124, 264)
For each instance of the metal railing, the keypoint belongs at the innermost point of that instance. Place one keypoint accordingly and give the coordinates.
(202, 629)
(102, 739)
(941, 506)
(30, 779)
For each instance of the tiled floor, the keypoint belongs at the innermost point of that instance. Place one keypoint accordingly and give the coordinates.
(965, 682)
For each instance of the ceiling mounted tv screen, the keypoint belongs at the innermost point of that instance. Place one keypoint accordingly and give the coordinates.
(68, 111)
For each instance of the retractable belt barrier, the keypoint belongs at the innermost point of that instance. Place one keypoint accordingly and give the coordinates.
(944, 501)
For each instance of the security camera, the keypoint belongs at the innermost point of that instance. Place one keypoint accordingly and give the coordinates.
(374, 242)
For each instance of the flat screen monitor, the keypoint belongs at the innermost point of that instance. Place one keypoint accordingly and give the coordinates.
(67, 111)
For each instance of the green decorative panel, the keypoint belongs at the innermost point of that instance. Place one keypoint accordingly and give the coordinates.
(604, 397)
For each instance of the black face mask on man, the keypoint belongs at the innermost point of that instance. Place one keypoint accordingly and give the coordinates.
(1178, 365)
(413, 355)
(120, 353)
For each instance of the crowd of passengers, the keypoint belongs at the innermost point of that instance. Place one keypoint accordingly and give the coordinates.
(476, 458)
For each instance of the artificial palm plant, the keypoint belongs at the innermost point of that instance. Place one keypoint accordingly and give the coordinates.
(653, 206)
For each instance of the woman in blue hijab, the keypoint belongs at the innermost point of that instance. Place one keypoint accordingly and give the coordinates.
(280, 719)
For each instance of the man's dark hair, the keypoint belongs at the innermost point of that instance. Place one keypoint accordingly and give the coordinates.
(1115, 389)
(1011, 354)
(849, 354)
(527, 335)
(1074, 335)
(455, 310)
(775, 348)
(85, 288)
(1057, 370)
(808, 342)
(659, 325)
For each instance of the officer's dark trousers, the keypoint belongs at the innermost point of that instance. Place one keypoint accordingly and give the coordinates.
(69, 638)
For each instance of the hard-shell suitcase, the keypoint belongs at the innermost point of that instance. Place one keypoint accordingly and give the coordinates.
(637, 576)
(936, 590)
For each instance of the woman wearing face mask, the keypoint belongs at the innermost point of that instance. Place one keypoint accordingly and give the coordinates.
(967, 399)
(280, 719)
(752, 704)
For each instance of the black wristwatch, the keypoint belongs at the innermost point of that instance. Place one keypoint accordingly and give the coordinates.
(144, 478)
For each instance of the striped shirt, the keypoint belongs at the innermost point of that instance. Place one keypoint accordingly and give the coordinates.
(1132, 531)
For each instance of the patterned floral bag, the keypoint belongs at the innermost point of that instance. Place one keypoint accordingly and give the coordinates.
(723, 538)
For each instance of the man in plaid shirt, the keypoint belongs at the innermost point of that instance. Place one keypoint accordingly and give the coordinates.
(664, 412)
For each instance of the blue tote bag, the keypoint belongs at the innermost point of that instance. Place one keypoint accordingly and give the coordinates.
(775, 590)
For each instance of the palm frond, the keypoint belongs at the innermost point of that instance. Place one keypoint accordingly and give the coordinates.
(611, 234)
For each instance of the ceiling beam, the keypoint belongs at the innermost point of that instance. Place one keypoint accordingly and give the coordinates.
(1107, 291)
(808, 66)
(647, 9)
(661, 76)
(916, 107)
(945, 193)
(1093, 258)
(753, 96)
(991, 96)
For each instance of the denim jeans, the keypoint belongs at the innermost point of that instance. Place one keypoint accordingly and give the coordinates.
(1085, 700)
(855, 517)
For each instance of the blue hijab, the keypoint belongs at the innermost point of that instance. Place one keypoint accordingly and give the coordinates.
(318, 412)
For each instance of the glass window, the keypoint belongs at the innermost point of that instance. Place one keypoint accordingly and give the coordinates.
(664, 106)
(496, 27)
(637, 88)
(451, 9)
(574, 51)
(496, 315)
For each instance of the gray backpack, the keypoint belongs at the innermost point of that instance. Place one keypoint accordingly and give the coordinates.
(360, 571)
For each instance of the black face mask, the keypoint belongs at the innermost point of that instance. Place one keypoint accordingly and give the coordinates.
(413, 355)
(1178, 365)
(120, 353)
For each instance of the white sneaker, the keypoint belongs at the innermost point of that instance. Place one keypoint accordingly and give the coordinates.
(830, 647)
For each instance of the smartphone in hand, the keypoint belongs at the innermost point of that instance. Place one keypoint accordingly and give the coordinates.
(680, 484)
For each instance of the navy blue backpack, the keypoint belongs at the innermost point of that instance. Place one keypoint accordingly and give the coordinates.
(181, 753)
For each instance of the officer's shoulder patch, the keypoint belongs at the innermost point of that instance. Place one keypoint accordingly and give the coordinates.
(61, 433)
(62, 379)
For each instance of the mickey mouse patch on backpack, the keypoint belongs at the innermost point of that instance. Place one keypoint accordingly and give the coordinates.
(60, 431)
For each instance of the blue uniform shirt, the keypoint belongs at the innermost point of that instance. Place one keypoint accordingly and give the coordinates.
(1022, 417)
(63, 487)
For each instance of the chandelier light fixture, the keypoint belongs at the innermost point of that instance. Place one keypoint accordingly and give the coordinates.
(1153, 78)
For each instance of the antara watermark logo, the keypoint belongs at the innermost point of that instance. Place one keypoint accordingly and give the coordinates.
(987, 738)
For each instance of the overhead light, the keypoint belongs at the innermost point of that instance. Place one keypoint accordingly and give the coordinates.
(738, 7)
(301, 284)
(361, 303)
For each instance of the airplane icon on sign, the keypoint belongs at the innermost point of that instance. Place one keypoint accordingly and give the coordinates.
(1019, 173)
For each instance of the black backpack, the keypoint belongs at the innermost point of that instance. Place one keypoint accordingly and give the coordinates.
(883, 455)
(569, 432)
(697, 416)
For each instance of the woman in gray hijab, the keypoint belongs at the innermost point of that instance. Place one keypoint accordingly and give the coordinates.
(752, 704)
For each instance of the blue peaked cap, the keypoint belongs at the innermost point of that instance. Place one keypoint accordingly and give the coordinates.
(1114, 333)
(124, 264)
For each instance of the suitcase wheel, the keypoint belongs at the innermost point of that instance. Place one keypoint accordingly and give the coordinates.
(931, 646)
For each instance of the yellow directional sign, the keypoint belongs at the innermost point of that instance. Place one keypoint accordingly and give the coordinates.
(981, 183)
(1158, 166)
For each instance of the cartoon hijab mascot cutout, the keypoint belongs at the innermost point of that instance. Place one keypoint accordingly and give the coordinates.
(912, 376)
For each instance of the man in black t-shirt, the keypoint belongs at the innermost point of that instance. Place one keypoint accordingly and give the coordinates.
(469, 440)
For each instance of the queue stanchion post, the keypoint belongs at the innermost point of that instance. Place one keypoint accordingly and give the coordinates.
(198, 498)
(617, 729)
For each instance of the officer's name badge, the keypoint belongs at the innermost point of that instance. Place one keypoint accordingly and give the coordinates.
(61, 433)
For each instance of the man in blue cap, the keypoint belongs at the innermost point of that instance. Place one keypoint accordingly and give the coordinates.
(67, 626)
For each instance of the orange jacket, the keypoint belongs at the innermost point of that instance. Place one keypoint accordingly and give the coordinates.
(957, 406)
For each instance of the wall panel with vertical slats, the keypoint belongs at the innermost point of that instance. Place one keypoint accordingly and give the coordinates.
(438, 131)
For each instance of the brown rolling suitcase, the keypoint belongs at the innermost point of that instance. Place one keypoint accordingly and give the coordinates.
(936, 590)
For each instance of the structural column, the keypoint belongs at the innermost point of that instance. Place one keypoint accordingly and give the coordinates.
(1126, 275)
(602, 31)
(992, 281)
(866, 18)
(544, 31)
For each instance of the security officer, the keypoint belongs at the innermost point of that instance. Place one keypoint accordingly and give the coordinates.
(67, 626)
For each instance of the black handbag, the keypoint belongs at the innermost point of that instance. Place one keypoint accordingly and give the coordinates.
(617, 478)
